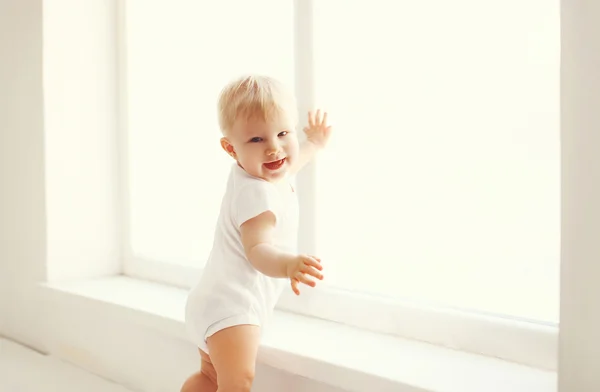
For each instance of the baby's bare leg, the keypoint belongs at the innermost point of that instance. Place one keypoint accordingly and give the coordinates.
(203, 381)
(233, 353)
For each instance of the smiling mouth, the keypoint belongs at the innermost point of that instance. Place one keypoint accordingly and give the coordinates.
(275, 164)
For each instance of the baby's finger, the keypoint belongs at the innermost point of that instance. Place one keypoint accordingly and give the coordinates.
(304, 279)
(311, 120)
(295, 289)
(324, 121)
(311, 261)
(313, 272)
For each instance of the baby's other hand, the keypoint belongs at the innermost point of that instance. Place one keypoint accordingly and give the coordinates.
(318, 132)
(301, 266)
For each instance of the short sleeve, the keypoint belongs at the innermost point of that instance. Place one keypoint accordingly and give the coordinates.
(254, 199)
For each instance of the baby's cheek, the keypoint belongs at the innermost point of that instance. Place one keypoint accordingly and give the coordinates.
(294, 146)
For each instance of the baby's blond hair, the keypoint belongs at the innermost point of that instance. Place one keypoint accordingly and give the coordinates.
(255, 95)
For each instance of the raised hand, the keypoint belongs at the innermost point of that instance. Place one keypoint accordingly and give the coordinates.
(300, 268)
(317, 131)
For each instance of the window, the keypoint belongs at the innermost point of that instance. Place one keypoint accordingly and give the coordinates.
(178, 56)
(447, 151)
(441, 184)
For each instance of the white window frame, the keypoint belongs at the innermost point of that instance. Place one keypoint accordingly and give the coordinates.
(529, 342)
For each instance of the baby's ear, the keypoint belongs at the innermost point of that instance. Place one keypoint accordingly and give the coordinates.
(227, 146)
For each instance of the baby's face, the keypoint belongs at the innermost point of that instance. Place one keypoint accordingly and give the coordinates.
(265, 149)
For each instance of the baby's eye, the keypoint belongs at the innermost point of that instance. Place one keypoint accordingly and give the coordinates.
(284, 133)
(255, 139)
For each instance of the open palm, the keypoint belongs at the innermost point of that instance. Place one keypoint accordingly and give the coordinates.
(317, 131)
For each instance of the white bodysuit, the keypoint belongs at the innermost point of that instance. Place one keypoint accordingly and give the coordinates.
(231, 291)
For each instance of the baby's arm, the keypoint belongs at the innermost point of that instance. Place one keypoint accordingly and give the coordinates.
(307, 153)
(317, 136)
(257, 240)
(257, 234)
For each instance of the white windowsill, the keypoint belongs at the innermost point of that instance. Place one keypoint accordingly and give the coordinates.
(339, 355)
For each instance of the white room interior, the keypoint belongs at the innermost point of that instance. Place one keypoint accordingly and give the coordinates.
(68, 314)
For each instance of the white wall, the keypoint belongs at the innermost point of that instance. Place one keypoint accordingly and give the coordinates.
(579, 362)
(22, 205)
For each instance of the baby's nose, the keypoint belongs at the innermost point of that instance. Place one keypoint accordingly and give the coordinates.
(273, 149)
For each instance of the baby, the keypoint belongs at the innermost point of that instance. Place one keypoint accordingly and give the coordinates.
(254, 248)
